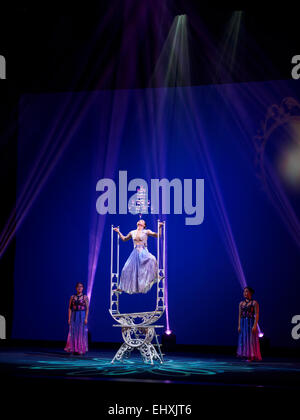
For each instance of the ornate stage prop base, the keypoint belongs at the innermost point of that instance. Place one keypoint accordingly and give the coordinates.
(140, 338)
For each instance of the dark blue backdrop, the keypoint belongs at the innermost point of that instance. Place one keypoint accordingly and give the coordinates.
(122, 130)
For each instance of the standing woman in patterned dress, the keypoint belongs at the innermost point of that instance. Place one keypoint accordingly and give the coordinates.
(77, 342)
(248, 341)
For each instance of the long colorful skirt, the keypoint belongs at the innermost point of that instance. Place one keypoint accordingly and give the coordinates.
(248, 342)
(77, 341)
(139, 272)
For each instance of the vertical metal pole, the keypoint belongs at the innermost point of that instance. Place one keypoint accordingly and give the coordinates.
(158, 256)
(118, 279)
(111, 262)
(118, 258)
(164, 260)
(164, 247)
(158, 268)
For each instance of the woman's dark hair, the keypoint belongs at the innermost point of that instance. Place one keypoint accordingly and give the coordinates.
(250, 289)
(77, 284)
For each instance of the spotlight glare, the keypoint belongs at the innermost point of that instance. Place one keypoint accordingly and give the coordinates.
(261, 334)
(168, 332)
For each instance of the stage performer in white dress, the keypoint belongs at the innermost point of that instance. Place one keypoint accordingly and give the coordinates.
(140, 270)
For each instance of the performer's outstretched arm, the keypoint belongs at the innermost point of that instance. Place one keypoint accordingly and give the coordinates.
(70, 310)
(124, 238)
(256, 309)
(154, 234)
(87, 309)
(239, 321)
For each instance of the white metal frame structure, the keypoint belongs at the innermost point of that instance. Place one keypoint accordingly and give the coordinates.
(138, 329)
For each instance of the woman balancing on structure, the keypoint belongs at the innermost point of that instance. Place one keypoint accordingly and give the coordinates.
(77, 342)
(140, 270)
(248, 341)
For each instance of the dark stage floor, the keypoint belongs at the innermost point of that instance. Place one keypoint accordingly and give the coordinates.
(177, 368)
(209, 371)
(185, 378)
